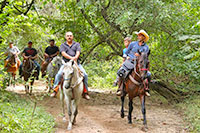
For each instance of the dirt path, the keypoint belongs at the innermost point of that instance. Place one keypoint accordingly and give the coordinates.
(101, 114)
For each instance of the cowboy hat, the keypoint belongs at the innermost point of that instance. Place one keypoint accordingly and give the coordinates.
(143, 33)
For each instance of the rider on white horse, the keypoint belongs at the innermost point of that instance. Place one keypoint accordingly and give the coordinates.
(70, 50)
(50, 52)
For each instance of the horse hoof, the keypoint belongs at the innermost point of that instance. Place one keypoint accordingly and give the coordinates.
(122, 115)
(73, 123)
(64, 119)
(69, 127)
(130, 122)
(145, 128)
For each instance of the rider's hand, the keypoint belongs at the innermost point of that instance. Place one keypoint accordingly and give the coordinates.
(74, 59)
(137, 54)
(127, 57)
(25, 57)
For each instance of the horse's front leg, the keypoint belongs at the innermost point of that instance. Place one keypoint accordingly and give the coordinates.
(142, 100)
(62, 102)
(68, 103)
(74, 111)
(31, 86)
(130, 104)
(122, 106)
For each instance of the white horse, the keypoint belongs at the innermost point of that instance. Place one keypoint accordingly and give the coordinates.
(52, 69)
(71, 90)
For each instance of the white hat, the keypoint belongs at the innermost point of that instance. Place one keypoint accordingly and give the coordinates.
(143, 33)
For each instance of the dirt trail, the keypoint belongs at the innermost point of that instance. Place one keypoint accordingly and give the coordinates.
(101, 114)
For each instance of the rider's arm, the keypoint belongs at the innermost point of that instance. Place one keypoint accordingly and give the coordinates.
(67, 56)
(24, 56)
(34, 57)
(77, 55)
(46, 55)
(78, 51)
(54, 54)
(18, 51)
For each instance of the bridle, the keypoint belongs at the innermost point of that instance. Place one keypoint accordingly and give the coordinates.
(141, 69)
(31, 63)
(70, 79)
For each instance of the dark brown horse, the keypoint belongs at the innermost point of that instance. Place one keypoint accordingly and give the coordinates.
(134, 86)
(29, 72)
(12, 67)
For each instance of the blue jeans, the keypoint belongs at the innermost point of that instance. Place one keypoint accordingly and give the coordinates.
(35, 63)
(60, 73)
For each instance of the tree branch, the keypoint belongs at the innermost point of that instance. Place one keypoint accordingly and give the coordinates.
(29, 7)
(90, 51)
(99, 33)
(17, 9)
(112, 24)
(3, 4)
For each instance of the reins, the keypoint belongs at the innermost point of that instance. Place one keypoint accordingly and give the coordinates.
(29, 71)
(133, 79)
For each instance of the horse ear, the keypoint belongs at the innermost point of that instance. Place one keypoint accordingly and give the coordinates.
(63, 62)
(139, 52)
(72, 62)
(148, 52)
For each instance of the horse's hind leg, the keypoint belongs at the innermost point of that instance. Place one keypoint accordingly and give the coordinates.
(130, 104)
(142, 100)
(122, 106)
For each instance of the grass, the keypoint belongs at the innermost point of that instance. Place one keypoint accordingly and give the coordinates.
(191, 109)
(16, 115)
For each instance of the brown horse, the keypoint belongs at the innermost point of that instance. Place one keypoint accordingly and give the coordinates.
(11, 67)
(134, 86)
(29, 71)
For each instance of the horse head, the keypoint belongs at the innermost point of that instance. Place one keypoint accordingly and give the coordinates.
(57, 62)
(68, 72)
(13, 60)
(143, 63)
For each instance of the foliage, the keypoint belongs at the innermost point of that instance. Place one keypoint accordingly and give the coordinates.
(102, 74)
(16, 115)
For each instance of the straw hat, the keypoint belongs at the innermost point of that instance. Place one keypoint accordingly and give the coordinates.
(143, 33)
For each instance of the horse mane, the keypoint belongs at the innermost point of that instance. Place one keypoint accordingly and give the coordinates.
(75, 65)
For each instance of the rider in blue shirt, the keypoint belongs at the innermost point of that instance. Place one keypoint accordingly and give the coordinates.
(133, 51)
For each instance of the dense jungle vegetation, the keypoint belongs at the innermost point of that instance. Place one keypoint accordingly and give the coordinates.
(100, 26)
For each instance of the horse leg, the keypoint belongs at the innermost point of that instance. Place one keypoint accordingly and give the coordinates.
(14, 80)
(142, 100)
(68, 103)
(74, 111)
(31, 86)
(26, 87)
(130, 104)
(122, 107)
(62, 103)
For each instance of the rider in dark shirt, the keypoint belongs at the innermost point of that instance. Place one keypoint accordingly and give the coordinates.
(31, 53)
(50, 52)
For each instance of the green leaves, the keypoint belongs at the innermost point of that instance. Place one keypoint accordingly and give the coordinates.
(15, 116)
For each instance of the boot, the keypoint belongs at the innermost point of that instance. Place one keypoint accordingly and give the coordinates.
(86, 96)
